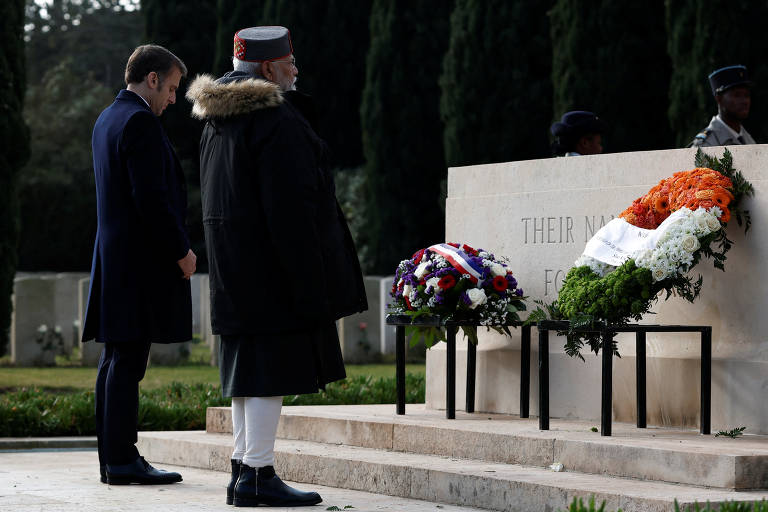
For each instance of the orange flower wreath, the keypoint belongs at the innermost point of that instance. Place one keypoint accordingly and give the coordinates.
(699, 187)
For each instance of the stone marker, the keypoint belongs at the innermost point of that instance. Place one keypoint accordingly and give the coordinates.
(33, 308)
(168, 354)
(540, 214)
(90, 352)
(194, 283)
(66, 306)
(364, 336)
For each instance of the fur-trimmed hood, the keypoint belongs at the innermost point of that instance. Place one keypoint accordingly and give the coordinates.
(231, 96)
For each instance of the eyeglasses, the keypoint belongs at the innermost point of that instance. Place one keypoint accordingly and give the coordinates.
(292, 61)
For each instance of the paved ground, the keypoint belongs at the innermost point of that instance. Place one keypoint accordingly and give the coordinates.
(62, 480)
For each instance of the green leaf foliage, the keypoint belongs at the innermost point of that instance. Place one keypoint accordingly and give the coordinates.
(402, 131)
(733, 433)
(495, 84)
(14, 149)
(609, 57)
(56, 187)
(37, 412)
(577, 505)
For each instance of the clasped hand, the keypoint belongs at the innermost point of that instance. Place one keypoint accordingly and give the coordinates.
(188, 264)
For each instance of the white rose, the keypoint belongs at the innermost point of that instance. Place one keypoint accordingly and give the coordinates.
(712, 223)
(432, 282)
(690, 243)
(701, 224)
(498, 270)
(407, 290)
(477, 297)
(421, 269)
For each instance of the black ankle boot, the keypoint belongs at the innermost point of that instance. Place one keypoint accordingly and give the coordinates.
(235, 475)
(265, 487)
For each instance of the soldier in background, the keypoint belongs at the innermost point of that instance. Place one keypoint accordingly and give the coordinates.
(731, 89)
(578, 133)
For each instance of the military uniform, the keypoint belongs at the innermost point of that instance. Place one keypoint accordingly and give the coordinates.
(720, 134)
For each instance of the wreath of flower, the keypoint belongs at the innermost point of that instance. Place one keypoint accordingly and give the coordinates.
(457, 283)
(702, 201)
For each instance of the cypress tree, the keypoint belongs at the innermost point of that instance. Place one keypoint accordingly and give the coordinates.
(610, 57)
(496, 84)
(402, 131)
(698, 45)
(188, 29)
(14, 152)
(231, 16)
(330, 40)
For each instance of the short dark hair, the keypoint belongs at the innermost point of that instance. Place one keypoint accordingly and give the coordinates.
(148, 58)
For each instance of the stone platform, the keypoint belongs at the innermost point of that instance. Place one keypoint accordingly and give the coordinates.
(492, 461)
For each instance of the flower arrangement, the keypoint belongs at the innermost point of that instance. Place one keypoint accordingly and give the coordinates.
(457, 283)
(700, 187)
(690, 210)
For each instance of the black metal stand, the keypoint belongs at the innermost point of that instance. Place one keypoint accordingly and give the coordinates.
(543, 379)
(402, 321)
(607, 333)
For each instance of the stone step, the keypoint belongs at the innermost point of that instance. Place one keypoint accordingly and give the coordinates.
(440, 479)
(663, 455)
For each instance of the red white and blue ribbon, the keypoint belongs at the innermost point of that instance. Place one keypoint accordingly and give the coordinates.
(459, 260)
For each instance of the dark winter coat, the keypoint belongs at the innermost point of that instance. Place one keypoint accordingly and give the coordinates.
(137, 290)
(280, 253)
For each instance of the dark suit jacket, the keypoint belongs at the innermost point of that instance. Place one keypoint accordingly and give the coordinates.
(137, 291)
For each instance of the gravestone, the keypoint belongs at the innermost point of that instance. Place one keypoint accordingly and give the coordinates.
(168, 354)
(90, 352)
(197, 303)
(365, 336)
(66, 306)
(33, 311)
(540, 214)
(206, 334)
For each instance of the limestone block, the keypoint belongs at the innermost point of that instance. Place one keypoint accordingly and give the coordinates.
(90, 352)
(66, 306)
(195, 282)
(541, 213)
(363, 336)
(168, 354)
(204, 300)
(34, 307)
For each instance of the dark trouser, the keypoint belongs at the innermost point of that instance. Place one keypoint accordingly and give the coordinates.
(121, 367)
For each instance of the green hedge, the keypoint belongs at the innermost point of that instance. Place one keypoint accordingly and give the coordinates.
(577, 505)
(37, 412)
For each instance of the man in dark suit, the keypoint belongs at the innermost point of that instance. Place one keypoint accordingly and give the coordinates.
(142, 261)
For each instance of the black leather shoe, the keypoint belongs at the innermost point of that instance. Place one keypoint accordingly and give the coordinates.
(235, 475)
(264, 487)
(139, 472)
(103, 471)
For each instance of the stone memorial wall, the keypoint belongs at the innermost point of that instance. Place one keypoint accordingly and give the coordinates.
(540, 214)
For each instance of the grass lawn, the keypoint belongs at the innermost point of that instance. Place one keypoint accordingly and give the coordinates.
(157, 376)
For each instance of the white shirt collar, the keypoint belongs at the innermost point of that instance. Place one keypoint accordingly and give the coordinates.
(142, 99)
(733, 132)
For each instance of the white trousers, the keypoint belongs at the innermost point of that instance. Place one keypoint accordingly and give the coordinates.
(254, 426)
